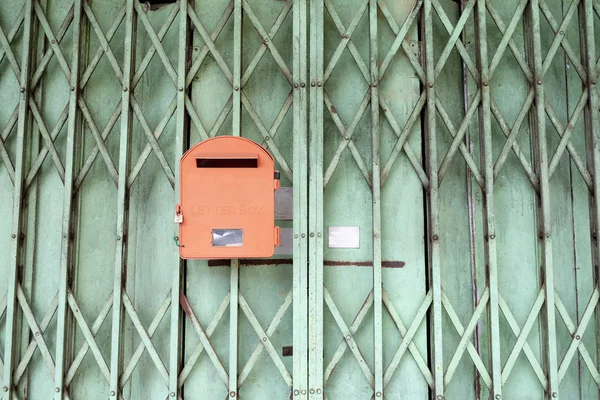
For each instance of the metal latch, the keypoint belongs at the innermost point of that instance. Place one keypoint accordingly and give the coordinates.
(178, 214)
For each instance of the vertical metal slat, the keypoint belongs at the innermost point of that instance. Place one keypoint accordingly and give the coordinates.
(17, 209)
(544, 215)
(300, 178)
(315, 205)
(65, 257)
(489, 217)
(123, 200)
(433, 208)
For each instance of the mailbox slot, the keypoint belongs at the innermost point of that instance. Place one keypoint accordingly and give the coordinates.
(221, 161)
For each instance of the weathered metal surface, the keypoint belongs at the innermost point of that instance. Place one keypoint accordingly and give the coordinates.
(460, 137)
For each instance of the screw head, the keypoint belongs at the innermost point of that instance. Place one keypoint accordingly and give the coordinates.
(578, 337)
(232, 393)
(125, 89)
(312, 84)
(439, 397)
(303, 84)
(72, 88)
(296, 236)
(53, 41)
(181, 88)
(236, 88)
(265, 339)
(378, 394)
(312, 234)
(498, 396)
(554, 394)
(22, 90)
(5, 389)
(318, 391)
(112, 392)
(594, 81)
(319, 84)
(348, 337)
(561, 32)
(347, 137)
(492, 236)
(13, 236)
(312, 391)
(435, 238)
(296, 85)
(172, 394)
(430, 85)
(539, 82)
(303, 391)
(57, 390)
(319, 234)
(303, 235)
(374, 84)
(485, 83)
(296, 392)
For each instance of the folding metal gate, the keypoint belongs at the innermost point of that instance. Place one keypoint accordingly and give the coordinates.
(460, 138)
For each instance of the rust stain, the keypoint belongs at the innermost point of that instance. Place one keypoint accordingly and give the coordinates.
(333, 110)
(187, 308)
(284, 261)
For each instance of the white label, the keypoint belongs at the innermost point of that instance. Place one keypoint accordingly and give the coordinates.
(344, 237)
(179, 219)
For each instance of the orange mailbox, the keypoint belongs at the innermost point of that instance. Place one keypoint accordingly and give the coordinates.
(227, 205)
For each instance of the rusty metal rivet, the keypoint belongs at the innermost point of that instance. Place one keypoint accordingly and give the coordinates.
(5, 389)
(578, 337)
(172, 394)
(312, 391)
(112, 392)
(232, 393)
(296, 392)
(14, 236)
(378, 394)
(57, 390)
(435, 238)
(554, 394)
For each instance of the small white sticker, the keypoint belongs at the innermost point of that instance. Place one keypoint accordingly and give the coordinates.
(179, 218)
(344, 237)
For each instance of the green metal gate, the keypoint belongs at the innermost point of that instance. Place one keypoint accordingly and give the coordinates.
(457, 141)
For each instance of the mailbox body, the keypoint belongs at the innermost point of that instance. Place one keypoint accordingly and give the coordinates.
(227, 205)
